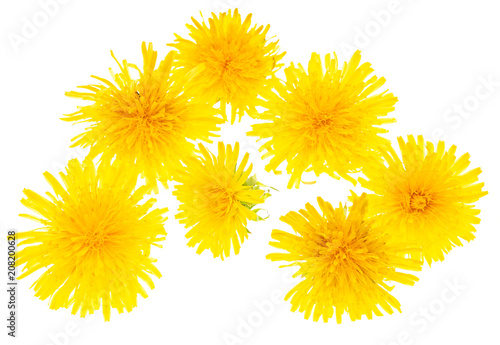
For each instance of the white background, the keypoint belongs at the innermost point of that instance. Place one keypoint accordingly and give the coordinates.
(433, 55)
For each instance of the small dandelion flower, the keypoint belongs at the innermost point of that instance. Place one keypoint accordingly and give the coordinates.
(218, 198)
(426, 197)
(95, 241)
(325, 120)
(231, 60)
(146, 121)
(344, 262)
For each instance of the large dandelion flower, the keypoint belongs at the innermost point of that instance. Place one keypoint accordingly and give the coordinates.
(231, 61)
(218, 198)
(325, 120)
(95, 241)
(343, 260)
(425, 198)
(145, 121)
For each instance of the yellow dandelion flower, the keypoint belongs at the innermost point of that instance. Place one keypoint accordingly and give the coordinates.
(218, 198)
(343, 260)
(325, 120)
(95, 241)
(146, 121)
(426, 197)
(231, 60)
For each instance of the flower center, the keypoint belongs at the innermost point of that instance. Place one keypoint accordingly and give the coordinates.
(339, 252)
(225, 64)
(419, 201)
(225, 67)
(220, 200)
(95, 239)
(322, 121)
